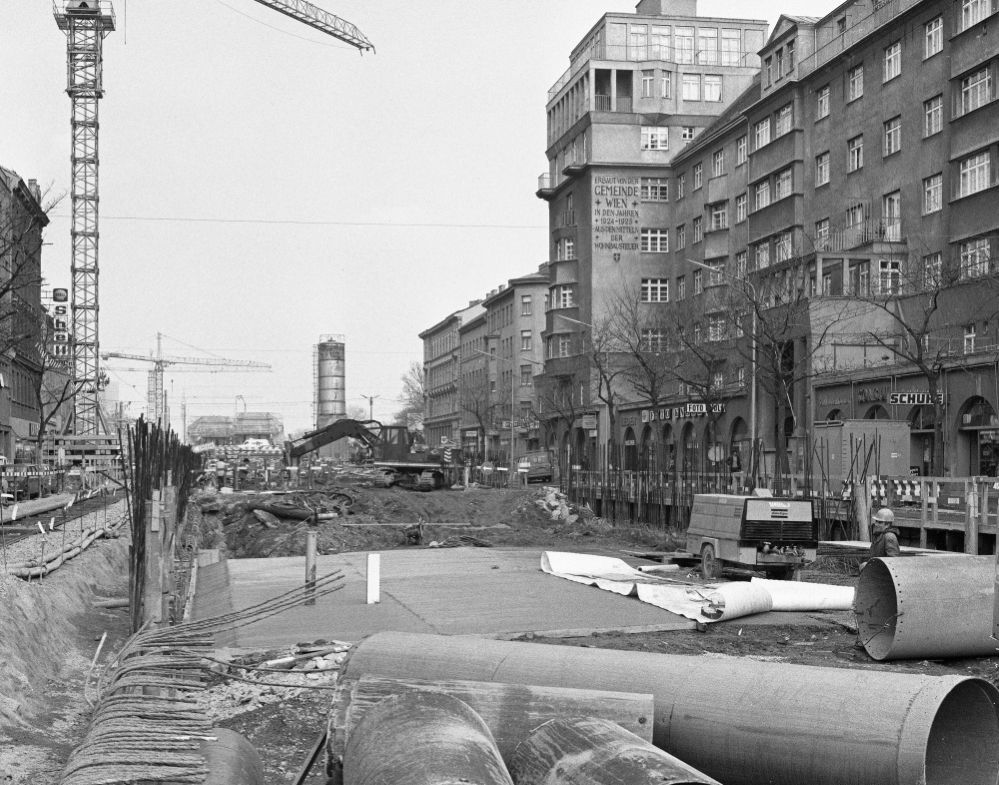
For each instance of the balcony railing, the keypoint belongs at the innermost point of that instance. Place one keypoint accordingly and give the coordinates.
(605, 103)
(869, 231)
(545, 182)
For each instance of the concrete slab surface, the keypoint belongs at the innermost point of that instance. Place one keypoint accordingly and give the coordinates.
(494, 592)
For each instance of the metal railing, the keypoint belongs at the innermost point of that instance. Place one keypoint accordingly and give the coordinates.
(868, 231)
(545, 182)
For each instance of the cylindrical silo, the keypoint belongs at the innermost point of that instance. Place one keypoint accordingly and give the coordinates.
(331, 399)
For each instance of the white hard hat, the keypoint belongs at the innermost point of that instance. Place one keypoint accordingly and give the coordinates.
(885, 516)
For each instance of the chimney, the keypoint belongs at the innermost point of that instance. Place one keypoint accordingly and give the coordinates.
(35, 190)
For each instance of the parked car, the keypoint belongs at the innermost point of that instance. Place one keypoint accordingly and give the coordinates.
(27, 480)
(538, 465)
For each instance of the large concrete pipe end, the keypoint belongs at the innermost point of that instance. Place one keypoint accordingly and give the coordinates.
(231, 759)
(593, 751)
(928, 607)
(422, 738)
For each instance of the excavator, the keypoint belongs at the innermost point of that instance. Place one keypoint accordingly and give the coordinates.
(401, 454)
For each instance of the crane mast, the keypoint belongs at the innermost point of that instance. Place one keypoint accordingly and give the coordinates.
(86, 24)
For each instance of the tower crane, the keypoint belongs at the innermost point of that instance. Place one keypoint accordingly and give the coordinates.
(155, 400)
(86, 24)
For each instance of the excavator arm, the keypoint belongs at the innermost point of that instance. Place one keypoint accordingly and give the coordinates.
(355, 429)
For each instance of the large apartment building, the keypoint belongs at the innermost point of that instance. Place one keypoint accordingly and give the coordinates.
(852, 177)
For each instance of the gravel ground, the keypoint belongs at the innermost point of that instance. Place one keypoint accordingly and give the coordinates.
(32, 546)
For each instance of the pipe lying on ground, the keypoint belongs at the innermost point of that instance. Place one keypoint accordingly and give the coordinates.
(510, 711)
(231, 759)
(592, 751)
(422, 738)
(743, 721)
(927, 608)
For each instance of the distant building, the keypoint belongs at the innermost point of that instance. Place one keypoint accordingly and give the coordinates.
(22, 220)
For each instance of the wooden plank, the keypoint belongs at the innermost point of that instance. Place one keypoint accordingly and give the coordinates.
(510, 711)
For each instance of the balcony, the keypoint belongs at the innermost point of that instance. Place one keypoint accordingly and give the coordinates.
(858, 235)
(545, 189)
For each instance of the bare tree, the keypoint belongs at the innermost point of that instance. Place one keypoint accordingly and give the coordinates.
(557, 409)
(640, 325)
(481, 403)
(609, 364)
(413, 395)
(55, 388)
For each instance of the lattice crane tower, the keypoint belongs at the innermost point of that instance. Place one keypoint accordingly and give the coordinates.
(86, 23)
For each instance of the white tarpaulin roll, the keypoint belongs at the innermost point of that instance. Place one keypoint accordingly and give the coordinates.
(732, 600)
(799, 596)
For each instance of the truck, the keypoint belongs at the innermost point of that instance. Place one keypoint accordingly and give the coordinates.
(537, 465)
(401, 454)
(773, 535)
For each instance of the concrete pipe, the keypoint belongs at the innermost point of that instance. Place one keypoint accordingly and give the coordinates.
(231, 759)
(592, 751)
(423, 738)
(510, 711)
(743, 721)
(930, 607)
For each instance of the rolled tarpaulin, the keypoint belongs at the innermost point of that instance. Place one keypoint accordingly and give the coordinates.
(744, 721)
(732, 600)
(593, 751)
(927, 608)
(802, 596)
(422, 738)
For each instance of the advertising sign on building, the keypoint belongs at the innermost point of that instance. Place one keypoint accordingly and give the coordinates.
(589, 421)
(913, 398)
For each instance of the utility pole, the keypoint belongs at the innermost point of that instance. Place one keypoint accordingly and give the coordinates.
(371, 405)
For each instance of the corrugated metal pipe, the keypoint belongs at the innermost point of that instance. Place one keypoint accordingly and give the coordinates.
(422, 738)
(930, 607)
(592, 751)
(745, 722)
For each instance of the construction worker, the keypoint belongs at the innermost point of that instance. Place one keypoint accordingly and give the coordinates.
(884, 539)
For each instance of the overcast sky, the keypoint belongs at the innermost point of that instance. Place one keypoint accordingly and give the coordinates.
(323, 191)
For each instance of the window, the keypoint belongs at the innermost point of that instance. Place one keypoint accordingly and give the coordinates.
(855, 215)
(681, 237)
(891, 214)
(525, 340)
(740, 376)
(718, 164)
(740, 150)
(822, 102)
(779, 63)
(889, 274)
(762, 194)
(691, 87)
(697, 332)
(768, 72)
(762, 133)
(698, 281)
(655, 241)
(973, 12)
(934, 37)
(782, 185)
(655, 290)
(684, 44)
(653, 340)
(563, 346)
(660, 43)
(969, 338)
(822, 168)
(855, 153)
(731, 47)
(570, 248)
(525, 305)
(975, 174)
(975, 257)
(893, 61)
(666, 85)
(698, 229)
(719, 216)
(565, 297)
(698, 175)
(860, 278)
(741, 264)
(893, 135)
(654, 189)
(716, 332)
(855, 83)
(681, 288)
(740, 208)
(784, 121)
(712, 88)
(687, 134)
(783, 246)
(707, 45)
(763, 255)
(716, 276)
(648, 83)
(933, 194)
(681, 181)
(934, 116)
(654, 138)
(790, 56)
(932, 270)
(976, 90)
(822, 235)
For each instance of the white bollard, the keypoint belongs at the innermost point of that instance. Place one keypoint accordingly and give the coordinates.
(374, 578)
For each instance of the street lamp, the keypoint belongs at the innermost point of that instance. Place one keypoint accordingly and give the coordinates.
(371, 405)
(752, 348)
